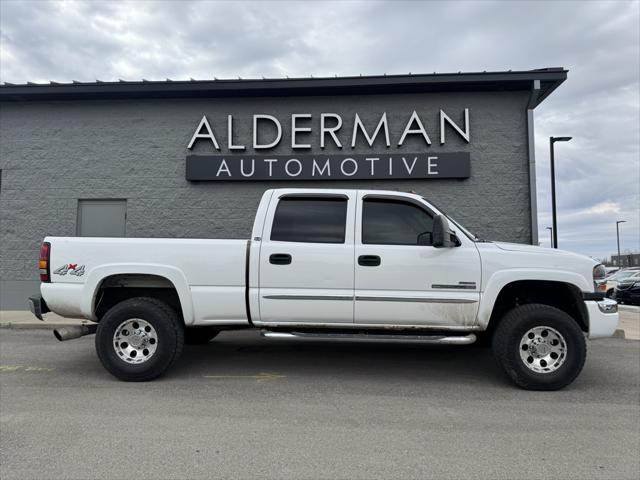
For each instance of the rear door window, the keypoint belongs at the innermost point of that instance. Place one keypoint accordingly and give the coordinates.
(310, 220)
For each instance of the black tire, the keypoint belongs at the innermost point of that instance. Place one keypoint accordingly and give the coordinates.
(609, 293)
(168, 328)
(199, 335)
(510, 332)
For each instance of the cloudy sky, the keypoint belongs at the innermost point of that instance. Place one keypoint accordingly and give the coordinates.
(599, 42)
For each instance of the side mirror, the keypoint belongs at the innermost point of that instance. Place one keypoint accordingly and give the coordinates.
(442, 236)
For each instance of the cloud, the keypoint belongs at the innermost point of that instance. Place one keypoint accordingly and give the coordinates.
(604, 208)
(598, 41)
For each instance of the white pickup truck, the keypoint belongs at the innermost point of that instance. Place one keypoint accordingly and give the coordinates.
(350, 265)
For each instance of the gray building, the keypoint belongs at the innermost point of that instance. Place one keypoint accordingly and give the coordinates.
(192, 158)
(626, 260)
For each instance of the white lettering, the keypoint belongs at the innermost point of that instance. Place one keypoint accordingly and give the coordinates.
(295, 129)
(355, 167)
(357, 124)
(256, 145)
(432, 166)
(412, 131)
(230, 135)
(331, 131)
(409, 170)
(271, 161)
(390, 166)
(286, 167)
(372, 160)
(444, 117)
(209, 134)
(224, 166)
(253, 167)
(327, 167)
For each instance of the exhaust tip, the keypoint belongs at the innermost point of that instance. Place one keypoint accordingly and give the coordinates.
(74, 331)
(56, 334)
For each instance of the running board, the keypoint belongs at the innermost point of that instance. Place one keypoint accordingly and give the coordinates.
(364, 337)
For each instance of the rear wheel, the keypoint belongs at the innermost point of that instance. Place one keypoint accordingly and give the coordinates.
(199, 335)
(139, 339)
(539, 347)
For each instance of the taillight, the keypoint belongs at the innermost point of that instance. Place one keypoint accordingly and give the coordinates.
(43, 263)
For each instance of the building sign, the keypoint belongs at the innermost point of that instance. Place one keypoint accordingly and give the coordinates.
(328, 167)
(314, 134)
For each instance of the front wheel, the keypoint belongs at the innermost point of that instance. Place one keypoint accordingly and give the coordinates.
(539, 347)
(139, 339)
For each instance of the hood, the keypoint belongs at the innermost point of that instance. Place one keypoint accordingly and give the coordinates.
(557, 264)
(522, 247)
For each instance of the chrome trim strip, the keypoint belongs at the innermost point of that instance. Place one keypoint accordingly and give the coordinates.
(456, 287)
(308, 297)
(369, 299)
(416, 299)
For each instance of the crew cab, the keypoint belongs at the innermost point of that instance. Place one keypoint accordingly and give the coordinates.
(357, 265)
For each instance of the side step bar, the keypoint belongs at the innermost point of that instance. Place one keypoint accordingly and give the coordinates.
(364, 337)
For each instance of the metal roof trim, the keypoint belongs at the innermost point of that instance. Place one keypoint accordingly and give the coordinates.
(550, 79)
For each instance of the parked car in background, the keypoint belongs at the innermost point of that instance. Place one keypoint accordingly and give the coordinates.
(611, 270)
(628, 290)
(610, 283)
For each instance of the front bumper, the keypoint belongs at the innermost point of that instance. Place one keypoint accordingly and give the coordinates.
(38, 306)
(603, 317)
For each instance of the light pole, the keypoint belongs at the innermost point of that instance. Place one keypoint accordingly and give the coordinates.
(618, 237)
(550, 236)
(553, 140)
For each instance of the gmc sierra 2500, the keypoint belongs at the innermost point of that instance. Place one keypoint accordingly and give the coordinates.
(330, 264)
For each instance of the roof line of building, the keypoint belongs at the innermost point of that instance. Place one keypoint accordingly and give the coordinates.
(549, 78)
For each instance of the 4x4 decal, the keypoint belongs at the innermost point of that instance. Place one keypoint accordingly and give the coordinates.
(71, 269)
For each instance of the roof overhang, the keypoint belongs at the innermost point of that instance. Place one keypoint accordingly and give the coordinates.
(548, 80)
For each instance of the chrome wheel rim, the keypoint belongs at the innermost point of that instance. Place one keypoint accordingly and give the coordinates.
(135, 341)
(543, 349)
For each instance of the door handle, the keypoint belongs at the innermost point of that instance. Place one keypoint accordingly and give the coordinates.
(280, 259)
(369, 260)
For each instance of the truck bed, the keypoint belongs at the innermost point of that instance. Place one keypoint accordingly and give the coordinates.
(208, 274)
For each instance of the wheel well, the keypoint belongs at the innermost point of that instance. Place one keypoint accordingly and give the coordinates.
(563, 296)
(117, 288)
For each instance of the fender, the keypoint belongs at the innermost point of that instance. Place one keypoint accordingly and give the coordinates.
(502, 278)
(174, 275)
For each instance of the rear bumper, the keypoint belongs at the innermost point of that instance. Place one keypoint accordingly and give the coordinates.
(603, 317)
(38, 306)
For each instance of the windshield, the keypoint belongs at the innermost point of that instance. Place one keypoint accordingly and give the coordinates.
(468, 233)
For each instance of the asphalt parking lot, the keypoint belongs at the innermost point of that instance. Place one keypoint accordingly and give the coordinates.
(246, 407)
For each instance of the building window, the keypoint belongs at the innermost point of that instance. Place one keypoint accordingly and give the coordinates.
(101, 218)
(310, 220)
(394, 222)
